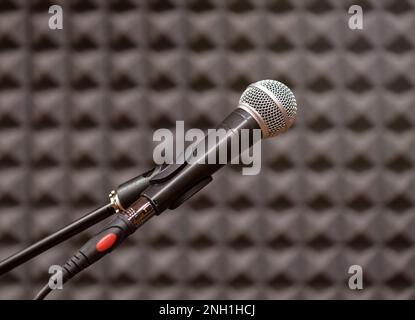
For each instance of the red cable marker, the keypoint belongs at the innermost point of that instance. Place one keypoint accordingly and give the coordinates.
(106, 242)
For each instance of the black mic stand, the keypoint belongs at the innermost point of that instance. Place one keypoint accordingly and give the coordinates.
(121, 198)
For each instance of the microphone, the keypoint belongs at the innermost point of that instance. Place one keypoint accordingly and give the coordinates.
(266, 105)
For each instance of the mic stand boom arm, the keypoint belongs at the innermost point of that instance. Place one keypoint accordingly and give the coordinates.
(123, 197)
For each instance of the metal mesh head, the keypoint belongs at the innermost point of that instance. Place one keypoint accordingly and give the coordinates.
(274, 102)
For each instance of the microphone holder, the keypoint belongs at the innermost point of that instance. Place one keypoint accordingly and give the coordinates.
(123, 197)
(54, 239)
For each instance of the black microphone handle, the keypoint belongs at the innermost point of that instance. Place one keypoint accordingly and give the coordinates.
(175, 183)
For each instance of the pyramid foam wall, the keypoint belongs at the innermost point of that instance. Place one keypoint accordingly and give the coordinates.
(78, 108)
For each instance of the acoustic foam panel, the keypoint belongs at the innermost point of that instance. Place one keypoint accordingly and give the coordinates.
(78, 108)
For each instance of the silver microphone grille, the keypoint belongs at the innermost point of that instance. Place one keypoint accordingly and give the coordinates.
(272, 103)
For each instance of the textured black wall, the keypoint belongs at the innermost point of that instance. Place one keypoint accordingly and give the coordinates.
(78, 108)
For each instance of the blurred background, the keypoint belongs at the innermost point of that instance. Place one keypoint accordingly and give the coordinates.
(78, 108)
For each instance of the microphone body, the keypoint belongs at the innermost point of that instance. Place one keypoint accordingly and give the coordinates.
(175, 183)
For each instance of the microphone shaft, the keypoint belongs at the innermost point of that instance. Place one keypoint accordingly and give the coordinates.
(175, 183)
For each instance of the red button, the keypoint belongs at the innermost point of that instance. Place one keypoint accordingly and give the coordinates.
(106, 242)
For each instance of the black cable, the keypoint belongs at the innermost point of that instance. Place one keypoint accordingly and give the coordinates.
(43, 293)
(63, 234)
(110, 237)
